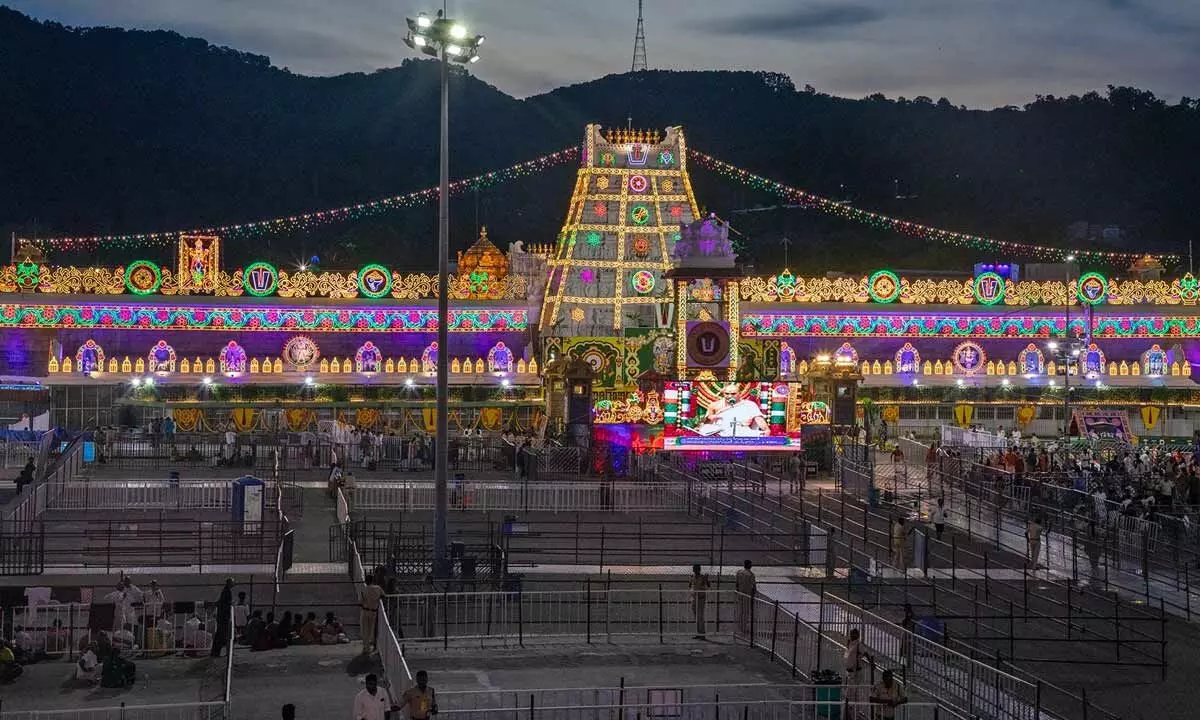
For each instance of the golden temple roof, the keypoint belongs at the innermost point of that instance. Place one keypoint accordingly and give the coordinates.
(483, 256)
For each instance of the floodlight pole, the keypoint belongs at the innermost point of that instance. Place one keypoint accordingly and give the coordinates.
(441, 537)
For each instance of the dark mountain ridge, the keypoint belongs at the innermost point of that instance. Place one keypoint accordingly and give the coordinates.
(112, 131)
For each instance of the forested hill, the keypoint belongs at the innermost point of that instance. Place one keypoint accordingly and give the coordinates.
(107, 130)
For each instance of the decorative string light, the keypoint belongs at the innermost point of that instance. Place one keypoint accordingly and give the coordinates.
(912, 229)
(293, 223)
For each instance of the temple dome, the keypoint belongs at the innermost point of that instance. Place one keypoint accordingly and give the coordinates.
(483, 256)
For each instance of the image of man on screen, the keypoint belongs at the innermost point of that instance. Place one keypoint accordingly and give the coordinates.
(729, 416)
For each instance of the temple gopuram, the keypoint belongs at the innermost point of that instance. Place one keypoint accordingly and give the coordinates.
(641, 298)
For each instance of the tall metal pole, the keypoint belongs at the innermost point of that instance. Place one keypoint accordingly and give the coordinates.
(442, 442)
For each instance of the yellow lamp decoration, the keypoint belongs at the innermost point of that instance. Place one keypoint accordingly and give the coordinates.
(185, 367)
(277, 366)
(113, 365)
(126, 366)
(66, 365)
(53, 365)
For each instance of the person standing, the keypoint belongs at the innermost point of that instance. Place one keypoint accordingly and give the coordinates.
(747, 588)
(224, 619)
(938, 517)
(852, 664)
(698, 584)
(373, 702)
(889, 695)
(899, 537)
(369, 613)
(420, 701)
(1033, 539)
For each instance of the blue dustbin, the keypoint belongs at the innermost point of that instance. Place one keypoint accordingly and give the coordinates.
(827, 693)
(873, 497)
(173, 478)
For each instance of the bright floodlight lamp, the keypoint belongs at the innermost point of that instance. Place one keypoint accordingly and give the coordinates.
(423, 21)
(458, 32)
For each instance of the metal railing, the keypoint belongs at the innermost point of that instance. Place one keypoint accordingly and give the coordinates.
(524, 496)
(15, 453)
(145, 495)
(666, 708)
(58, 631)
(216, 710)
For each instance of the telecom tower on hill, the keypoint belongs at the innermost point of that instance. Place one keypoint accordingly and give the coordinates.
(639, 43)
(632, 194)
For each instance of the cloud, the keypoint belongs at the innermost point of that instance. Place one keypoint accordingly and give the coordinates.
(802, 22)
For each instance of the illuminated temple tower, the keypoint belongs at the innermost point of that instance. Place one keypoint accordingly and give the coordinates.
(631, 195)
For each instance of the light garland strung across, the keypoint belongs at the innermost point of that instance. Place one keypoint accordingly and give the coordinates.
(293, 223)
(912, 229)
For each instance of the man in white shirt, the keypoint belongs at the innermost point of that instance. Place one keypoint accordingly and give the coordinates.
(731, 417)
(372, 702)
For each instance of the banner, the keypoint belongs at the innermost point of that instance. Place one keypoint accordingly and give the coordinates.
(299, 419)
(429, 419)
(366, 417)
(1026, 414)
(491, 418)
(187, 419)
(1150, 415)
(963, 414)
(244, 419)
(891, 413)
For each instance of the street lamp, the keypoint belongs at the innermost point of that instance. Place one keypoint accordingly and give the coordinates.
(448, 40)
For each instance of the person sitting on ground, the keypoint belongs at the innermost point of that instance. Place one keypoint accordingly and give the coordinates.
(117, 672)
(265, 640)
(889, 694)
(195, 636)
(284, 633)
(10, 669)
(88, 667)
(332, 632)
(24, 648)
(124, 638)
(254, 627)
(310, 632)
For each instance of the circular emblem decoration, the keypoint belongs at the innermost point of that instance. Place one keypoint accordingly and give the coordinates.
(988, 288)
(642, 282)
(143, 277)
(969, 358)
(640, 214)
(638, 183)
(708, 344)
(602, 182)
(595, 360)
(883, 286)
(668, 185)
(1092, 288)
(300, 352)
(641, 246)
(577, 314)
(374, 281)
(260, 279)
(666, 159)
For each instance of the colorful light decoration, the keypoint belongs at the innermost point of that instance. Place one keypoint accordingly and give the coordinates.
(639, 214)
(294, 223)
(666, 158)
(820, 325)
(643, 282)
(594, 239)
(260, 279)
(143, 277)
(1092, 288)
(912, 229)
(374, 281)
(884, 286)
(641, 246)
(587, 275)
(260, 319)
(638, 184)
(988, 288)
(969, 358)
